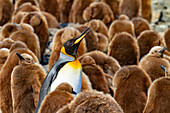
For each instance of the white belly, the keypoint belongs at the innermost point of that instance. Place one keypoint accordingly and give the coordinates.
(70, 75)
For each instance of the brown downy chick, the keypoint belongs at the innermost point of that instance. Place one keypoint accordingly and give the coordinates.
(29, 38)
(102, 42)
(91, 38)
(39, 23)
(51, 20)
(20, 2)
(92, 102)
(5, 78)
(17, 45)
(97, 26)
(26, 27)
(140, 25)
(131, 84)
(108, 64)
(26, 81)
(18, 17)
(60, 38)
(26, 7)
(124, 49)
(7, 30)
(95, 74)
(86, 84)
(167, 39)
(147, 40)
(4, 52)
(116, 27)
(159, 93)
(77, 9)
(152, 61)
(64, 8)
(5, 11)
(114, 5)
(147, 10)
(99, 10)
(6, 43)
(131, 8)
(56, 99)
(51, 7)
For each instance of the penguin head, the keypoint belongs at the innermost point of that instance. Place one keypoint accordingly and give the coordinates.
(25, 59)
(157, 51)
(71, 46)
(65, 87)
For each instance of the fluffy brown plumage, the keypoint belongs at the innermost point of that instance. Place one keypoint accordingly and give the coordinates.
(20, 2)
(5, 11)
(76, 12)
(116, 27)
(146, 40)
(57, 99)
(124, 49)
(26, 81)
(114, 5)
(140, 25)
(131, 8)
(60, 38)
(91, 38)
(18, 17)
(131, 84)
(29, 38)
(4, 52)
(99, 10)
(6, 43)
(86, 84)
(51, 7)
(92, 102)
(98, 26)
(158, 93)
(64, 8)
(147, 10)
(5, 78)
(18, 44)
(39, 23)
(152, 61)
(167, 39)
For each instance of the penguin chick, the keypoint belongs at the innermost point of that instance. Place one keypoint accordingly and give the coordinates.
(5, 78)
(92, 102)
(18, 44)
(124, 49)
(99, 10)
(6, 43)
(51, 20)
(64, 8)
(114, 5)
(146, 40)
(39, 23)
(158, 93)
(26, 7)
(26, 81)
(167, 39)
(91, 39)
(95, 74)
(18, 17)
(61, 96)
(131, 8)
(7, 30)
(60, 38)
(140, 25)
(30, 39)
(98, 26)
(116, 27)
(77, 9)
(147, 10)
(131, 84)
(20, 2)
(102, 42)
(107, 63)
(86, 84)
(5, 11)
(152, 61)
(51, 7)
(4, 52)
(26, 27)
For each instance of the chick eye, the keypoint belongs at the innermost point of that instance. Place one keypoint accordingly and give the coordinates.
(156, 51)
(27, 59)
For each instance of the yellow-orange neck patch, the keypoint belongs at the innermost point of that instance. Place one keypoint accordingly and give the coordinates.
(64, 52)
(75, 64)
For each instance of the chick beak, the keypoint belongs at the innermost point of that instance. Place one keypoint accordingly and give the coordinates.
(162, 67)
(166, 72)
(80, 38)
(162, 51)
(73, 92)
(20, 57)
(16, 25)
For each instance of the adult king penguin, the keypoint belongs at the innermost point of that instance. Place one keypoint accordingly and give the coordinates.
(66, 69)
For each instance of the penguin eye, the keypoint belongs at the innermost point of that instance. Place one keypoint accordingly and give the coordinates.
(27, 58)
(69, 43)
(156, 51)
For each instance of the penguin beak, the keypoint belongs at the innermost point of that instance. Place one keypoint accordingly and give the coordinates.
(162, 67)
(20, 57)
(80, 38)
(161, 51)
(73, 92)
(16, 25)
